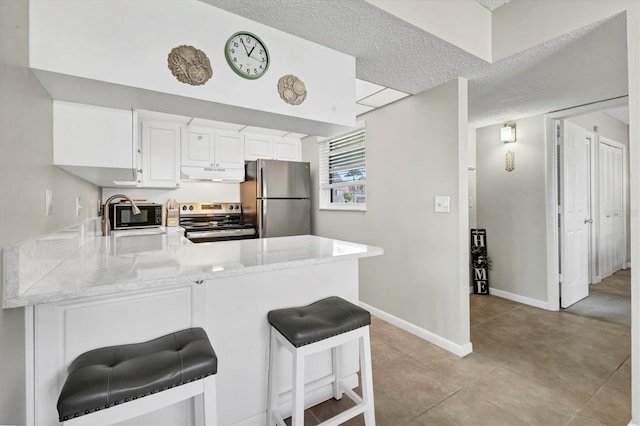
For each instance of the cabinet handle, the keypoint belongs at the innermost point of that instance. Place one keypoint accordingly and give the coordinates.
(177, 184)
(199, 281)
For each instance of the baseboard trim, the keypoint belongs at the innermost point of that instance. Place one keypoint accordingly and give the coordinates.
(520, 299)
(459, 350)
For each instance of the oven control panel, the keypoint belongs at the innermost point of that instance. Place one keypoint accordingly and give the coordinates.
(209, 209)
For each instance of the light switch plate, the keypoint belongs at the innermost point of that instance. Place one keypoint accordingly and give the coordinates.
(442, 204)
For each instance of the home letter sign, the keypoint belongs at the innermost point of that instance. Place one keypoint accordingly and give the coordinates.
(479, 261)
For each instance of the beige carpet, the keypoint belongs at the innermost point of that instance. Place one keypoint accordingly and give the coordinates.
(609, 300)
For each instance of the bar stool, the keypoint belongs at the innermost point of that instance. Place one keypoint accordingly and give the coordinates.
(115, 383)
(326, 324)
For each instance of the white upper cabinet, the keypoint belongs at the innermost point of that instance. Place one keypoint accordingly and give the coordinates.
(288, 149)
(198, 147)
(95, 143)
(160, 154)
(271, 148)
(210, 154)
(229, 150)
(258, 146)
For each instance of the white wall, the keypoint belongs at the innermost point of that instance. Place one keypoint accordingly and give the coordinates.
(25, 171)
(608, 126)
(416, 148)
(68, 37)
(511, 207)
(473, 196)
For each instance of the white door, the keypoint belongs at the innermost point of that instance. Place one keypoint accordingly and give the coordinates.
(612, 239)
(575, 216)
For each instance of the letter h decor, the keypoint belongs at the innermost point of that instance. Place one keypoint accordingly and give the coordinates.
(480, 262)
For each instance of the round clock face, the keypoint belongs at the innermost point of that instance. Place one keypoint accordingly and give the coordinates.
(247, 55)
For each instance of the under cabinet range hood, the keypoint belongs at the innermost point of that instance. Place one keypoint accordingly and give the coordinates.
(212, 174)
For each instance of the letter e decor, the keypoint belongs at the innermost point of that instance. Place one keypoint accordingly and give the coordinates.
(480, 263)
(189, 65)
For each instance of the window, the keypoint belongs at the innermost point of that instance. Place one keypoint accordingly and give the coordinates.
(343, 171)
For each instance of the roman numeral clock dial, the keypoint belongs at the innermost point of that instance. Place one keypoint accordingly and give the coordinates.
(247, 55)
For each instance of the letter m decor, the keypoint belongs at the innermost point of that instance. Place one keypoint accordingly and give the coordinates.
(479, 261)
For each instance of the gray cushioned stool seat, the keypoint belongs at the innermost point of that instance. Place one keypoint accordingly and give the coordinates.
(318, 321)
(116, 374)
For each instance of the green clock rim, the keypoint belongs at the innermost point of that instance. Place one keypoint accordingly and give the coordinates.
(230, 62)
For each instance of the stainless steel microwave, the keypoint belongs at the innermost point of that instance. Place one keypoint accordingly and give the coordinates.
(122, 217)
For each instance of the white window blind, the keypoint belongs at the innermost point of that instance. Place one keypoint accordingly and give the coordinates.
(343, 167)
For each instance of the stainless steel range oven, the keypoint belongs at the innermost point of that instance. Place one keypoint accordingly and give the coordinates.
(209, 222)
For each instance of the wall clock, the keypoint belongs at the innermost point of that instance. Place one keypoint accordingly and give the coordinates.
(247, 55)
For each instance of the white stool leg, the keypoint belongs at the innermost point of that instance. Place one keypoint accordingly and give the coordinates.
(272, 395)
(366, 375)
(297, 417)
(209, 401)
(336, 362)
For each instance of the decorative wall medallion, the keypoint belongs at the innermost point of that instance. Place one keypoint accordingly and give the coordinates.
(292, 89)
(189, 65)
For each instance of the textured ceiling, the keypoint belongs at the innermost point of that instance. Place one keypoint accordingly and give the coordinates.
(584, 66)
(493, 4)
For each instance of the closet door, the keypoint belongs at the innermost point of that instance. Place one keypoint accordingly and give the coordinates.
(611, 241)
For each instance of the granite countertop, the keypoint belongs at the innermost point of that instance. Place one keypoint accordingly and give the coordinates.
(129, 261)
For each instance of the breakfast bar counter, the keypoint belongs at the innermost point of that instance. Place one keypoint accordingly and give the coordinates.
(83, 291)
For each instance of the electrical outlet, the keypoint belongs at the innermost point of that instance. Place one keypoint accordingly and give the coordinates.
(78, 206)
(48, 202)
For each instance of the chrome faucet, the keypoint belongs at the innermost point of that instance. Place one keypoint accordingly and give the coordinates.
(106, 224)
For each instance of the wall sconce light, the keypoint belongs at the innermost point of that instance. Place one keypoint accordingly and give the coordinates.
(508, 133)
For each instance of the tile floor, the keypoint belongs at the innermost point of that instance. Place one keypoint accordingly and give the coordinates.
(529, 367)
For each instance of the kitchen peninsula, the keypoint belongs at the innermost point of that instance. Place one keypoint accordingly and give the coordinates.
(82, 291)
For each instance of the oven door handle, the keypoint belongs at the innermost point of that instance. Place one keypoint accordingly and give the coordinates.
(220, 233)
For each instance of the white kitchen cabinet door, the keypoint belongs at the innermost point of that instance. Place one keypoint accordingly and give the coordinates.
(258, 146)
(228, 150)
(288, 149)
(198, 147)
(160, 154)
(95, 143)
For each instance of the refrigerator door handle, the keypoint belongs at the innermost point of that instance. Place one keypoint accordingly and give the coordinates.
(263, 216)
(262, 180)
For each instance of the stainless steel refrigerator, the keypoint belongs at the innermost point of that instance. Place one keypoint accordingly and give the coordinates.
(276, 197)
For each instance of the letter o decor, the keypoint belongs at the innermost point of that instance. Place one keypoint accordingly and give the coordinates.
(189, 65)
(291, 89)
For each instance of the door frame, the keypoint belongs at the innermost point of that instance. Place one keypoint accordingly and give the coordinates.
(551, 179)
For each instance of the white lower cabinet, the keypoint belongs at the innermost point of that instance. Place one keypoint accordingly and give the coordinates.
(160, 154)
(232, 310)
